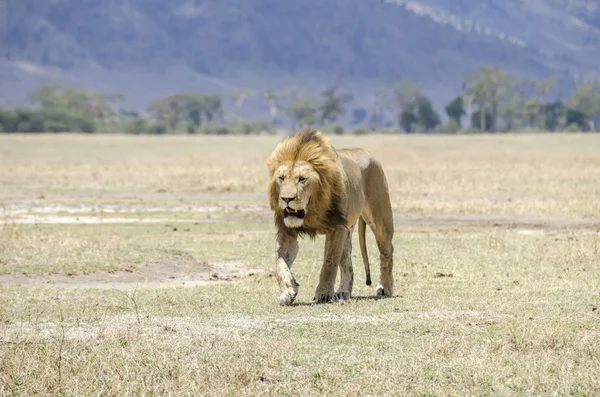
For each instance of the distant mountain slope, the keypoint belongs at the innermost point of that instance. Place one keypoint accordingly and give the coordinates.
(147, 48)
(566, 31)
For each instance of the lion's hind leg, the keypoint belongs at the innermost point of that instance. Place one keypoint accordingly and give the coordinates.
(383, 228)
(385, 287)
(383, 231)
(379, 216)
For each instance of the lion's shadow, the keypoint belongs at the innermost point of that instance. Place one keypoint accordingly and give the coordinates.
(354, 298)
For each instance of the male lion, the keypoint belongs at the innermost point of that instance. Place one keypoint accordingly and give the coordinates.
(316, 189)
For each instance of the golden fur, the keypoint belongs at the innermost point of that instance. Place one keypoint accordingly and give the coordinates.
(316, 189)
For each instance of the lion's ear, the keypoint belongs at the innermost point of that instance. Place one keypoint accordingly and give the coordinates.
(309, 134)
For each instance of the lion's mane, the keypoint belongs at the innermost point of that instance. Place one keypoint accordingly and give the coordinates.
(324, 210)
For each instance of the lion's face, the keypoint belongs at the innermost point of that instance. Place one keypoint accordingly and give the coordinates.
(297, 183)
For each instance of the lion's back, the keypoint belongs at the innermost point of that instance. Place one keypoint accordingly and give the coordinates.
(355, 159)
(361, 157)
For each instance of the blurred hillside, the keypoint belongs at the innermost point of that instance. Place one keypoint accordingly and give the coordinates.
(146, 49)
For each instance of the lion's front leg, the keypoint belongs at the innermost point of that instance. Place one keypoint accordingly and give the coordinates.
(344, 291)
(287, 249)
(334, 246)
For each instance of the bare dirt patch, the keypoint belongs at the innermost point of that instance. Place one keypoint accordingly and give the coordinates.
(230, 208)
(94, 211)
(146, 275)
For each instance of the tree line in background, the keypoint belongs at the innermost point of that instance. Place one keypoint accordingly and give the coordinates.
(491, 101)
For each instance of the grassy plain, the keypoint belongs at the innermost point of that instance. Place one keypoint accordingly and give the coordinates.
(120, 274)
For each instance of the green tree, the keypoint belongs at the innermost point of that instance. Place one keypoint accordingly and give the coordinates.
(418, 114)
(542, 92)
(455, 110)
(530, 111)
(9, 121)
(488, 88)
(137, 126)
(212, 108)
(79, 103)
(45, 119)
(48, 96)
(193, 107)
(332, 105)
(66, 120)
(30, 121)
(403, 93)
(159, 127)
(533, 101)
(487, 116)
(408, 118)
(199, 108)
(272, 99)
(451, 127)
(576, 118)
(427, 116)
(585, 103)
(554, 116)
(168, 111)
(511, 107)
(302, 112)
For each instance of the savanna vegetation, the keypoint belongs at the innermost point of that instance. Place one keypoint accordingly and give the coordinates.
(491, 101)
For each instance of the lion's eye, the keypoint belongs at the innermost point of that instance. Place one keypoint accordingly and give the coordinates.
(301, 179)
(281, 177)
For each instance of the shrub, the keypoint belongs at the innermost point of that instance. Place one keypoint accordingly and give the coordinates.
(450, 127)
(64, 120)
(361, 130)
(222, 130)
(470, 130)
(9, 121)
(338, 129)
(137, 126)
(159, 127)
(246, 127)
(191, 128)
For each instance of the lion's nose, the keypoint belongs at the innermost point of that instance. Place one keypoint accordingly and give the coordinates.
(287, 199)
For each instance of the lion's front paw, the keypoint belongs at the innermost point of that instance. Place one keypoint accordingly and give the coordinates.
(289, 293)
(325, 297)
(384, 292)
(287, 298)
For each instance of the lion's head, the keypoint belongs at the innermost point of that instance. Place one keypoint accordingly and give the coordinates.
(306, 184)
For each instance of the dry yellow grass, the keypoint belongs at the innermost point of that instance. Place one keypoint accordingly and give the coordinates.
(555, 175)
(497, 252)
(485, 312)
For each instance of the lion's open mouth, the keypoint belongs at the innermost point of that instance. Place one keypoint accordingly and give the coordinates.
(292, 212)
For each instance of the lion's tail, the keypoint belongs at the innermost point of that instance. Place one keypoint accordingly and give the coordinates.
(362, 226)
